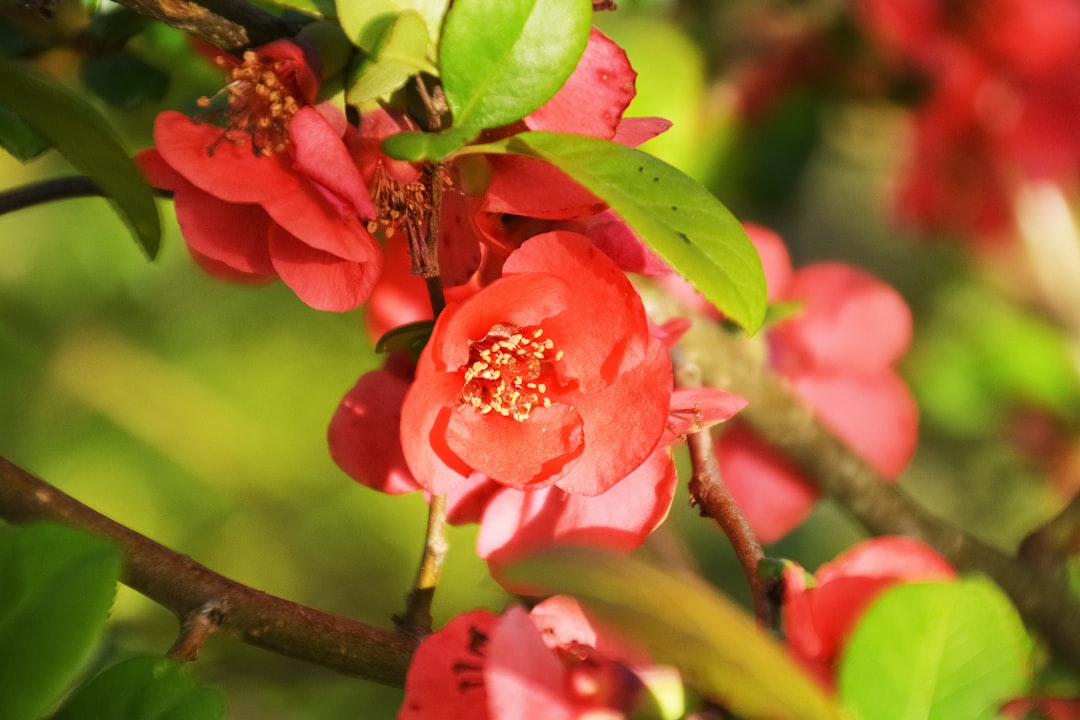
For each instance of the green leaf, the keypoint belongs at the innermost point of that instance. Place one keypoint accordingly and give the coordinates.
(931, 651)
(58, 585)
(143, 688)
(83, 135)
(356, 17)
(409, 338)
(396, 49)
(22, 141)
(682, 221)
(501, 60)
(715, 645)
(417, 146)
(123, 80)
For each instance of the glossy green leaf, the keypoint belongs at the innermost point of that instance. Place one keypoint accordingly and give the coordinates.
(123, 80)
(935, 651)
(501, 60)
(396, 49)
(83, 135)
(716, 646)
(417, 146)
(682, 221)
(356, 17)
(56, 587)
(143, 688)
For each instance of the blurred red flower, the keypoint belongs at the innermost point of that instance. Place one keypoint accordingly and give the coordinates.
(818, 617)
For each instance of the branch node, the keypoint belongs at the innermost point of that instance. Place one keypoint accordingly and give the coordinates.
(194, 631)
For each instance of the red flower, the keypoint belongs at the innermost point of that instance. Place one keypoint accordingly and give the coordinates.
(276, 193)
(550, 664)
(837, 354)
(548, 376)
(819, 618)
(1003, 81)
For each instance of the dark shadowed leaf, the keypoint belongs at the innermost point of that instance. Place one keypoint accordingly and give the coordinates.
(83, 135)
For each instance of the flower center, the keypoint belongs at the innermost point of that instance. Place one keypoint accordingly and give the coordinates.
(505, 371)
(261, 102)
(396, 203)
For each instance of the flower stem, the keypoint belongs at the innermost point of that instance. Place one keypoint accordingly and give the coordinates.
(425, 253)
(708, 492)
(417, 617)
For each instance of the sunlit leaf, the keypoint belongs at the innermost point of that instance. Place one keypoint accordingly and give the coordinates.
(501, 60)
(718, 648)
(396, 49)
(56, 587)
(356, 17)
(143, 688)
(682, 221)
(935, 651)
(83, 135)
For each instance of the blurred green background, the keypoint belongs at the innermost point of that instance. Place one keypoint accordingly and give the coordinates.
(195, 411)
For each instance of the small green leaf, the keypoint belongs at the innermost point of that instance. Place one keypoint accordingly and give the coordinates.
(83, 135)
(409, 338)
(929, 651)
(717, 647)
(501, 60)
(678, 218)
(396, 49)
(123, 80)
(417, 146)
(143, 688)
(57, 587)
(356, 17)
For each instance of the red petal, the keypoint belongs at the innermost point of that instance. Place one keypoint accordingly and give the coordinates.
(851, 322)
(533, 188)
(693, 409)
(365, 433)
(528, 454)
(322, 280)
(770, 491)
(446, 676)
(876, 416)
(157, 171)
(636, 130)
(319, 153)
(623, 424)
(594, 97)
(517, 522)
(607, 330)
(524, 678)
(888, 556)
(233, 235)
(775, 260)
(424, 416)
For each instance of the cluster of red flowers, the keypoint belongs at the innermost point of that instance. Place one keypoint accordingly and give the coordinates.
(1003, 92)
(543, 403)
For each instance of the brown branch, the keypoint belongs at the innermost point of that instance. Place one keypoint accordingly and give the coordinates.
(189, 590)
(1039, 590)
(229, 24)
(708, 492)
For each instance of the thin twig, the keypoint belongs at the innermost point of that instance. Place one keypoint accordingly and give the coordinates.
(62, 188)
(711, 496)
(187, 588)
